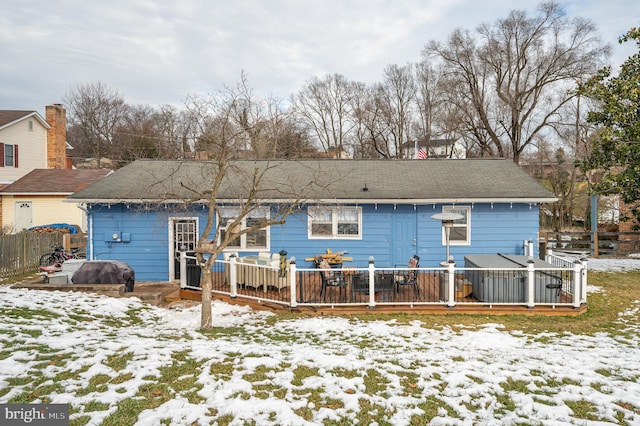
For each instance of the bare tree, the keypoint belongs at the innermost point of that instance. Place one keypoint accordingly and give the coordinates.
(283, 137)
(95, 113)
(325, 107)
(369, 132)
(250, 181)
(516, 73)
(427, 100)
(135, 137)
(270, 129)
(395, 97)
(176, 130)
(440, 109)
(254, 184)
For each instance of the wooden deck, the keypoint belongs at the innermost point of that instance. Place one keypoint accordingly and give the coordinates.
(336, 302)
(387, 308)
(339, 300)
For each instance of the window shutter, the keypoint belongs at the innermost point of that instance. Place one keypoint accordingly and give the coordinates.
(1, 154)
(15, 156)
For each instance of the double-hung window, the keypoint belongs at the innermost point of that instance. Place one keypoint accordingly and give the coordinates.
(335, 222)
(257, 239)
(8, 155)
(460, 233)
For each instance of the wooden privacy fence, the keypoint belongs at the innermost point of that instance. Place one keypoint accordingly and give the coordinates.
(75, 241)
(20, 253)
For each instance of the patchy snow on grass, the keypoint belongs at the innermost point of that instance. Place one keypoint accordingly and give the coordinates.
(310, 370)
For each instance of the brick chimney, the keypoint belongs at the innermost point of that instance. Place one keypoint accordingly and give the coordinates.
(56, 116)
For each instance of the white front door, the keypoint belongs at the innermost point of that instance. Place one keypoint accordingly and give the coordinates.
(183, 237)
(23, 215)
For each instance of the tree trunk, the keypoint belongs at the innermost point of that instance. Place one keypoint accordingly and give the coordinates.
(205, 319)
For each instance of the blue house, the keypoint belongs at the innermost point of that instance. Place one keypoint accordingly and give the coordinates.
(148, 211)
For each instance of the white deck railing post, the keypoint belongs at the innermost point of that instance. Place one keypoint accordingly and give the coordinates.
(531, 283)
(183, 269)
(528, 248)
(583, 261)
(578, 284)
(292, 282)
(372, 283)
(451, 290)
(233, 275)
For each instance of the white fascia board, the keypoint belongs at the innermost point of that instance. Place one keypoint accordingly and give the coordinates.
(331, 201)
(32, 114)
(30, 194)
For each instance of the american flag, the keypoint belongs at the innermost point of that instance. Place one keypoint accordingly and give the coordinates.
(422, 154)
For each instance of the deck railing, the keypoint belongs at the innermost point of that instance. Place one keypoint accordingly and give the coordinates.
(563, 284)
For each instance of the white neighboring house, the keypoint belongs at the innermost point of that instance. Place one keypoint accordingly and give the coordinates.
(29, 142)
(23, 144)
(38, 198)
(436, 148)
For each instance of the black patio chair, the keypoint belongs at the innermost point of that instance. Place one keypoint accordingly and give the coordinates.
(385, 286)
(331, 279)
(359, 284)
(410, 276)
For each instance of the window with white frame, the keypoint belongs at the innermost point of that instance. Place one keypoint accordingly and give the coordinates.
(335, 222)
(258, 239)
(460, 233)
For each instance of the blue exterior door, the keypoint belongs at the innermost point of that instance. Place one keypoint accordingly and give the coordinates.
(404, 234)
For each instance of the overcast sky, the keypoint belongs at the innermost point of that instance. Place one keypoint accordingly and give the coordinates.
(158, 52)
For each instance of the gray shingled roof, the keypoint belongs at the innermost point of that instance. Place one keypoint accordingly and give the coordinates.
(397, 181)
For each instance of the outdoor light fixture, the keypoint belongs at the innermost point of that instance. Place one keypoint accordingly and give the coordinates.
(447, 222)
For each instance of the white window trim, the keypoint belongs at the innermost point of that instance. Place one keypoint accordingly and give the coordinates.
(243, 238)
(467, 242)
(334, 224)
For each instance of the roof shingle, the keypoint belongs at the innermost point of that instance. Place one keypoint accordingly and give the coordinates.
(44, 181)
(397, 181)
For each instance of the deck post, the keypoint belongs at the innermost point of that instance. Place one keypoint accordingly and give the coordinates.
(579, 285)
(292, 282)
(451, 290)
(233, 275)
(183, 269)
(583, 282)
(372, 283)
(531, 283)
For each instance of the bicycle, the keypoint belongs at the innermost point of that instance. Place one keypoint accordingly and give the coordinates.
(58, 256)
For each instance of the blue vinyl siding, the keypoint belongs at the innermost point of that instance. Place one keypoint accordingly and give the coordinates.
(501, 228)
(375, 239)
(148, 250)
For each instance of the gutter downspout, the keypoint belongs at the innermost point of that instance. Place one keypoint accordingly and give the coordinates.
(89, 231)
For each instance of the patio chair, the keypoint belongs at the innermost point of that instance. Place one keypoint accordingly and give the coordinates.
(331, 278)
(384, 285)
(359, 284)
(409, 277)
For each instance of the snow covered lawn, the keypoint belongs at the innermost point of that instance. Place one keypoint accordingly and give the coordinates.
(120, 362)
